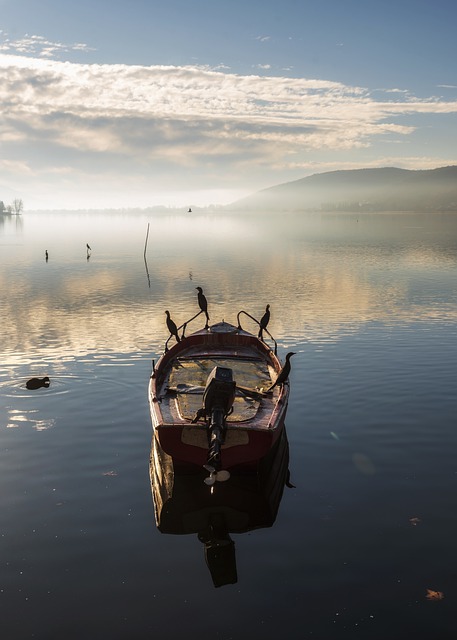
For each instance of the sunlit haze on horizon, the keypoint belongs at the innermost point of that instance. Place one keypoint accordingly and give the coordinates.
(116, 105)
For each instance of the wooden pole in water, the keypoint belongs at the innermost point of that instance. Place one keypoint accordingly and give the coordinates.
(146, 242)
(144, 256)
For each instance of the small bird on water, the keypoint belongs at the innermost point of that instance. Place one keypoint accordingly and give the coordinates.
(264, 320)
(88, 248)
(203, 304)
(284, 373)
(172, 328)
(37, 383)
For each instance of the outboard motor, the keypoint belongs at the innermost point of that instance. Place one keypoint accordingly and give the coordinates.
(218, 399)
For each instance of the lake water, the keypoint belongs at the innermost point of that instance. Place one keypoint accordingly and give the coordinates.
(368, 302)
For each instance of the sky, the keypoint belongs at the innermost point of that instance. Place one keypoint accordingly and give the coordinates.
(139, 103)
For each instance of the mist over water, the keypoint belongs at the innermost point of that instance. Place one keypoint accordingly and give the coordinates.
(369, 304)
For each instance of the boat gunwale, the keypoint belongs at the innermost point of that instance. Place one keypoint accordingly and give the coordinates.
(198, 338)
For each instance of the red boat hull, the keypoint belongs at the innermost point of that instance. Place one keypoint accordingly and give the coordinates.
(243, 456)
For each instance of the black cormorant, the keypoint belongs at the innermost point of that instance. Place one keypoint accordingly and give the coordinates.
(284, 373)
(172, 328)
(203, 303)
(265, 319)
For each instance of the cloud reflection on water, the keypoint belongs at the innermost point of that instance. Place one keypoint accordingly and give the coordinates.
(323, 277)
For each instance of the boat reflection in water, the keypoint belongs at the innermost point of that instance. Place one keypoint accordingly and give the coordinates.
(186, 504)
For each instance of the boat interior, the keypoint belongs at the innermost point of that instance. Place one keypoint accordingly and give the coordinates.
(184, 385)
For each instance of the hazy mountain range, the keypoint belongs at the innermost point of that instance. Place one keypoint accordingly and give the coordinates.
(358, 190)
(386, 189)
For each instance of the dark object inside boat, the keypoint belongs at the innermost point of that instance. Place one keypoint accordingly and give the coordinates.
(218, 399)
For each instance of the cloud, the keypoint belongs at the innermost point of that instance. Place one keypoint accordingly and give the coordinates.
(34, 45)
(149, 124)
(193, 94)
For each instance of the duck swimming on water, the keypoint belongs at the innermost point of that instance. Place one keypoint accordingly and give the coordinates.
(37, 383)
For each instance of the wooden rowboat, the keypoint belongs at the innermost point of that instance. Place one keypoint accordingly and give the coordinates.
(211, 404)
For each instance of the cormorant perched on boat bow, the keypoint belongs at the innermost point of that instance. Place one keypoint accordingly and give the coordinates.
(203, 304)
(284, 373)
(265, 319)
(172, 328)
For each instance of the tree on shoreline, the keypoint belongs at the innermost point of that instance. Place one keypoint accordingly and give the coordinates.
(15, 208)
(18, 206)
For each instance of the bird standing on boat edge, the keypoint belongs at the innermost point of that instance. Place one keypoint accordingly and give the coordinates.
(203, 304)
(265, 319)
(172, 328)
(284, 373)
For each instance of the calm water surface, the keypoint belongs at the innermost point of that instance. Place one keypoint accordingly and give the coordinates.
(369, 304)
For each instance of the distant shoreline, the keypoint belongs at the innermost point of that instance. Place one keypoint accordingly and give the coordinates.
(221, 212)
